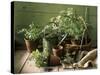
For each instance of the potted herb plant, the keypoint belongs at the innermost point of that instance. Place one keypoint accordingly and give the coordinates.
(30, 36)
(40, 58)
(51, 35)
(72, 24)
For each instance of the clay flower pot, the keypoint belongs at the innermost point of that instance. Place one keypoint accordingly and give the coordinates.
(58, 51)
(75, 42)
(30, 45)
(54, 60)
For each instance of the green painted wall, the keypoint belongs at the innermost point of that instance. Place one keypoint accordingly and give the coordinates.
(40, 13)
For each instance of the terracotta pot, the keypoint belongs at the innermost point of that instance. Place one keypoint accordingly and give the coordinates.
(68, 41)
(54, 60)
(58, 51)
(75, 42)
(30, 45)
(78, 42)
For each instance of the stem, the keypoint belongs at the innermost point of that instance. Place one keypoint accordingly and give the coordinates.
(82, 39)
(79, 52)
(86, 14)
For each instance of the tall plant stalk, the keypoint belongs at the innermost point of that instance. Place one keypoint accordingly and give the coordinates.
(83, 32)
